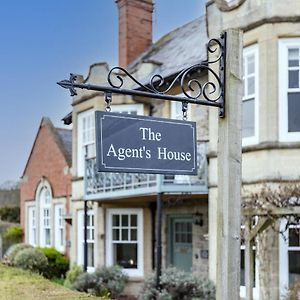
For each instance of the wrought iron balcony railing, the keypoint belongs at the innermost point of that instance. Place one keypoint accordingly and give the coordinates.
(121, 185)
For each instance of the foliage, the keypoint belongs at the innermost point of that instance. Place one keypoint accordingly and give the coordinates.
(176, 284)
(72, 275)
(31, 259)
(13, 234)
(103, 282)
(58, 264)
(10, 214)
(12, 251)
(293, 292)
(22, 284)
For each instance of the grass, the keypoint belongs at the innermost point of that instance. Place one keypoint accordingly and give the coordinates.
(18, 284)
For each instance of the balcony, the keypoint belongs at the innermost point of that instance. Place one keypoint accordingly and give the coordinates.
(104, 186)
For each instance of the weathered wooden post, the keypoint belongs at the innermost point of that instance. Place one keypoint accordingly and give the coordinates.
(229, 174)
(249, 260)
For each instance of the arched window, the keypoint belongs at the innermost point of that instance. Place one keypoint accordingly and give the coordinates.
(45, 217)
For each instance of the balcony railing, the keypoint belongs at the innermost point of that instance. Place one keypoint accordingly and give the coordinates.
(102, 185)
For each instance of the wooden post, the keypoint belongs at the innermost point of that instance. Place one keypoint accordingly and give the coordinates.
(249, 260)
(228, 214)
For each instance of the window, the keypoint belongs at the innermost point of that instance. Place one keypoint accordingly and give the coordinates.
(90, 239)
(86, 138)
(45, 217)
(132, 109)
(59, 227)
(289, 256)
(125, 240)
(289, 89)
(176, 110)
(250, 96)
(31, 213)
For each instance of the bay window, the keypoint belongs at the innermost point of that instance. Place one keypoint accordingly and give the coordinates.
(250, 96)
(289, 89)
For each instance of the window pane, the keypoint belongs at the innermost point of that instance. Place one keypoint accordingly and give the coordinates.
(251, 85)
(294, 266)
(293, 57)
(124, 234)
(125, 255)
(90, 255)
(242, 283)
(115, 234)
(293, 237)
(251, 66)
(293, 79)
(133, 220)
(124, 220)
(248, 118)
(294, 112)
(133, 236)
(116, 220)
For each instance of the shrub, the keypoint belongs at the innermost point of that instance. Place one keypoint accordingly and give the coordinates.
(58, 264)
(176, 284)
(10, 214)
(293, 292)
(103, 282)
(31, 259)
(72, 275)
(13, 234)
(12, 251)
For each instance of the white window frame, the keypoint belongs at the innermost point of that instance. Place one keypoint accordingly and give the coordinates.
(123, 108)
(174, 109)
(283, 89)
(139, 271)
(80, 238)
(45, 202)
(284, 249)
(31, 223)
(59, 235)
(248, 51)
(81, 145)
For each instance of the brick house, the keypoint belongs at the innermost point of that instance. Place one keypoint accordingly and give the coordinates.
(46, 188)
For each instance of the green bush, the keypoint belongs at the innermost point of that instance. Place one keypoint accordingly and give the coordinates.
(13, 234)
(72, 275)
(10, 214)
(31, 259)
(58, 265)
(293, 292)
(176, 284)
(12, 251)
(103, 282)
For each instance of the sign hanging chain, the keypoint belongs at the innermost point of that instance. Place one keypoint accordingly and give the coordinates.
(108, 99)
(184, 110)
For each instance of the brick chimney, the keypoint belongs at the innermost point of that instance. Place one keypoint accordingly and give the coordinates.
(135, 29)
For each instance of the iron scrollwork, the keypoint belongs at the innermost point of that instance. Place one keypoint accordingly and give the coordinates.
(210, 93)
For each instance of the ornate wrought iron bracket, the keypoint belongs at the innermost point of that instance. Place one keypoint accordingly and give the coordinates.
(209, 93)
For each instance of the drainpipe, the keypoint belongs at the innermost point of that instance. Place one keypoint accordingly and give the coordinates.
(158, 239)
(85, 245)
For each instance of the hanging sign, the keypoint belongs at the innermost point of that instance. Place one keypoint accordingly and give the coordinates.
(137, 144)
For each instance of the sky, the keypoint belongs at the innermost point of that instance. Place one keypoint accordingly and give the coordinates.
(41, 43)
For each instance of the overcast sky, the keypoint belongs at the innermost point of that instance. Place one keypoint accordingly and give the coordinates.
(41, 43)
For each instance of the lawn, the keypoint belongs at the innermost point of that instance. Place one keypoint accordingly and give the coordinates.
(17, 284)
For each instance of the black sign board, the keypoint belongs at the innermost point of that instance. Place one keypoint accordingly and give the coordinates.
(137, 144)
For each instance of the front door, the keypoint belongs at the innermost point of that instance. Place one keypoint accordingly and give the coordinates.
(181, 243)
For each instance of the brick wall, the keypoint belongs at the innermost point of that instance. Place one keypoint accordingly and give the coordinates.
(135, 28)
(46, 160)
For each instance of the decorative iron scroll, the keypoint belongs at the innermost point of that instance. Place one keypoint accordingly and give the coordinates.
(210, 93)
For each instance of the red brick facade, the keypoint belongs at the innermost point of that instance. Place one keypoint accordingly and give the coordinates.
(135, 29)
(47, 160)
